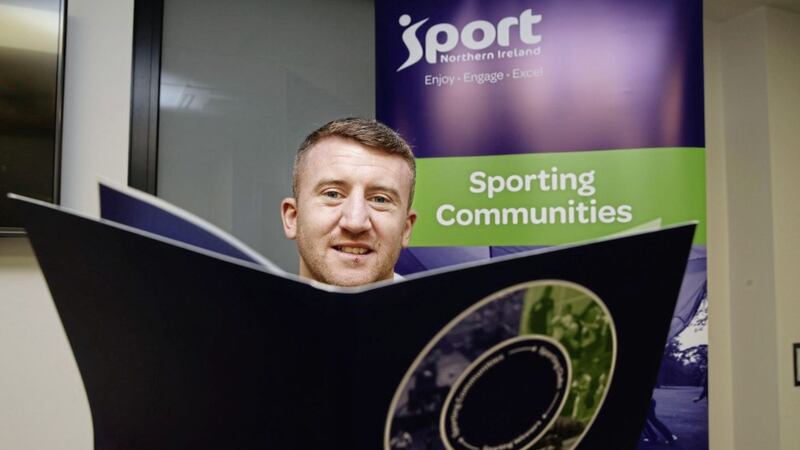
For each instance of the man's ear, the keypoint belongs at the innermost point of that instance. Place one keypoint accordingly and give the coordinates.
(410, 219)
(289, 217)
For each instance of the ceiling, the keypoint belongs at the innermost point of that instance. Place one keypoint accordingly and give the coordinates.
(721, 10)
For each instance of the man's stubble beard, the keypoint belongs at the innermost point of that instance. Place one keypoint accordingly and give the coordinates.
(320, 271)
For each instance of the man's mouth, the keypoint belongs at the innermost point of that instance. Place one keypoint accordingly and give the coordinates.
(352, 250)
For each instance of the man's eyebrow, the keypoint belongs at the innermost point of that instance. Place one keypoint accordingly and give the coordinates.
(383, 188)
(329, 182)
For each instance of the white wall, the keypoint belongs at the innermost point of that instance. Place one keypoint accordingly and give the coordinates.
(96, 98)
(753, 112)
(43, 404)
(744, 82)
(720, 401)
(783, 92)
(42, 398)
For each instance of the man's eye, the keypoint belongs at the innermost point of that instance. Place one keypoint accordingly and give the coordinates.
(332, 194)
(380, 199)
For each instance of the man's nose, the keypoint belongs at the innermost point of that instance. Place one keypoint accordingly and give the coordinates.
(355, 215)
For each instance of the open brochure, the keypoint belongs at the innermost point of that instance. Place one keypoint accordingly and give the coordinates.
(180, 346)
(128, 206)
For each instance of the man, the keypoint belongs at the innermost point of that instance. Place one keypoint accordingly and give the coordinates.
(350, 214)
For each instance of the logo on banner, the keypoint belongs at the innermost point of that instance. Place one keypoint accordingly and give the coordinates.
(442, 38)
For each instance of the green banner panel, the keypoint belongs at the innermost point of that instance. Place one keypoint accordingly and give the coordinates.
(556, 198)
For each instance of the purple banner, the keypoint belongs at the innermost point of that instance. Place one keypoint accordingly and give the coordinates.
(462, 78)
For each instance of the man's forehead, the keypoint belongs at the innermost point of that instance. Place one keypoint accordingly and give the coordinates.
(348, 157)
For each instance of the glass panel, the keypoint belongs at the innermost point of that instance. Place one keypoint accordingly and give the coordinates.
(242, 83)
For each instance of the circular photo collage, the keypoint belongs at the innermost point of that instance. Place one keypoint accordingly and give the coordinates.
(525, 368)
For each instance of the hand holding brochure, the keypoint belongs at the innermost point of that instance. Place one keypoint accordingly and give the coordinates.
(181, 344)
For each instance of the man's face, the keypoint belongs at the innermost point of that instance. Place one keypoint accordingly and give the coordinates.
(351, 215)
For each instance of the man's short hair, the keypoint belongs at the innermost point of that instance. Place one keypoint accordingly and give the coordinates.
(367, 132)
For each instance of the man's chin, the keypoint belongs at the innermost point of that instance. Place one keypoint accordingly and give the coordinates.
(348, 280)
(346, 275)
